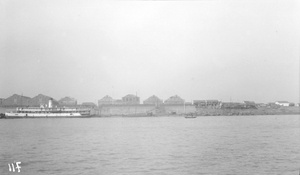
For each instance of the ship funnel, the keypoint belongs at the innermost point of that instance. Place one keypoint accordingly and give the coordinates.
(50, 103)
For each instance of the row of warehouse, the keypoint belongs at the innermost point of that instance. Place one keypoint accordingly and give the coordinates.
(176, 100)
(130, 99)
(133, 99)
(37, 101)
(21, 100)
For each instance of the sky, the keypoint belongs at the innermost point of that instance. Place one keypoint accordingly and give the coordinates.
(229, 50)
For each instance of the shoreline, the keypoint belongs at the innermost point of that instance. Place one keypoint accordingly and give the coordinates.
(197, 112)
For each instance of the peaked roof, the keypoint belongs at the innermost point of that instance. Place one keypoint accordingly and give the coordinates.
(107, 97)
(130, 95)
(153, 97)
(43, 96)
(175, 97)
(16, 95)
(67, 99)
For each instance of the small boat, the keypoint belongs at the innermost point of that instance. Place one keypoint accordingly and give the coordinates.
(190, 115)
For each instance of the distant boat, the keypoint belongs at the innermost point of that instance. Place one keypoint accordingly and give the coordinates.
(191, 115)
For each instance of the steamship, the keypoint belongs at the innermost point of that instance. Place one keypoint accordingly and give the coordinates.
(48, 111)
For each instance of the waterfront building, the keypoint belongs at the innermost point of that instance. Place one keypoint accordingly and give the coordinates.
(131, 99)
(67, 101)
(261, 105)
(153, 100)
(199, 103)
(41, 100)
(188, 103)
(118, 102)
(206, 103)
(282, 103)
(16, 100)
(106, 100)
(272, 105)
(212, 103)
(174, 100)
(89, 104)
(232, 105)
(250, 104)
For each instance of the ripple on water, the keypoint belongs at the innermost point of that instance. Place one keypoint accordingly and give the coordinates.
(166, 145)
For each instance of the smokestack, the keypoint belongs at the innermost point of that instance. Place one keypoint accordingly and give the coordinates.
(50, 103)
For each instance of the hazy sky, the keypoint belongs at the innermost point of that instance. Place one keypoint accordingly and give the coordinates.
(206, 49)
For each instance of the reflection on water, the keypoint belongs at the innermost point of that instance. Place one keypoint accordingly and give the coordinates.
(152, 145)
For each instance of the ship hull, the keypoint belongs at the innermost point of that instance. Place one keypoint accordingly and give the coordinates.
(49, 115)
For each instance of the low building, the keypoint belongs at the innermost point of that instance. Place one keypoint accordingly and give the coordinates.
(67, 101)
(106, 100)
(16, 101)
(292, 104)
(188, 103)
(199, 103)
(89, 104)
(212, 102)
(261, 105)
(232, 105)
(1, 101)
(41, 100)
(297, 104)
(206, 103)
(282, 103)
(174, 100)
(131, 99)
(153, 100)
(250, 105)
(272, 105)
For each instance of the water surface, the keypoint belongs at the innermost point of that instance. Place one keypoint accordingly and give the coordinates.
(152, 145)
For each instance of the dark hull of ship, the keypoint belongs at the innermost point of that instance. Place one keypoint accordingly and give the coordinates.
(18, 116)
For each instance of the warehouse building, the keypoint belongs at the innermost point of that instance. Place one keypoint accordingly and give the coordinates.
(131, 99)
(42, 100)
(153, 100)
(67, 101)
(16, 101)
(174, 100)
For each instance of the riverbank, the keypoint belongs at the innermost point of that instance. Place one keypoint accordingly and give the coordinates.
(259, 111)
(177, 110)
(137, 112)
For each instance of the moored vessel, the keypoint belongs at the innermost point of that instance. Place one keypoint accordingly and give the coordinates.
(48, 112)
(190, 115)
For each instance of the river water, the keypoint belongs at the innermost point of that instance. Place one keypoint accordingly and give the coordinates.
(152, 145)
